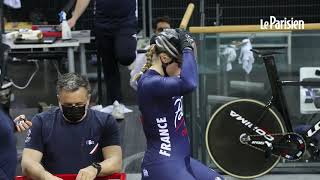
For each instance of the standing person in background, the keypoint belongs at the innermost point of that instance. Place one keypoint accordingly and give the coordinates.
(169, 74)
(115, 29)
(159, 24)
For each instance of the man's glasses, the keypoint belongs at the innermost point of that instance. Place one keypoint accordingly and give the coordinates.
(160, 29)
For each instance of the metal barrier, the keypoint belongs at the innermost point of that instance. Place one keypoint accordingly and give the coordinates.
(247, 28)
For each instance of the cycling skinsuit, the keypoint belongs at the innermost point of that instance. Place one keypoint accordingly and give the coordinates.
(168, 148)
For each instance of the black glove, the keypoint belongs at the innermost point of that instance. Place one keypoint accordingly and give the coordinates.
(186, 40)
(153, 39)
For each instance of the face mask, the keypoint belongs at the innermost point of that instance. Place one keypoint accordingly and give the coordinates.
(73, 113)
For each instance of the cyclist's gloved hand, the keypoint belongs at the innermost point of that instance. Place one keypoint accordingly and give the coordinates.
(153, 39)
(186, 39)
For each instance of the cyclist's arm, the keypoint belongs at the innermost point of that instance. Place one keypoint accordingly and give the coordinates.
(176, 86)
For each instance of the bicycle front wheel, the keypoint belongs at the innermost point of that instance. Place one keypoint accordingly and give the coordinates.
(227, 124)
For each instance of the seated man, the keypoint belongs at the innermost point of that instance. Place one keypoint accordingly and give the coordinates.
(72, 139)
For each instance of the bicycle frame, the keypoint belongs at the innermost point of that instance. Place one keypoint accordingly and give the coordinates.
(255, 153)
(278, 99)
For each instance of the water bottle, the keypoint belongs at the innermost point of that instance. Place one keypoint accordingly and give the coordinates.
(66, 31)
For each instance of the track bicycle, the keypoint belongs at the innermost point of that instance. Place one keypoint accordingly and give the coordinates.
(246, 138)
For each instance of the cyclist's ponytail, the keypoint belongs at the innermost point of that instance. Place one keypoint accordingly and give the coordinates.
(148, 64)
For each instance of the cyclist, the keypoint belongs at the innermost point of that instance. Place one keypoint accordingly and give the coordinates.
(170, 73)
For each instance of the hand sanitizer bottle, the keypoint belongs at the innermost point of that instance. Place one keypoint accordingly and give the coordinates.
(66, 31)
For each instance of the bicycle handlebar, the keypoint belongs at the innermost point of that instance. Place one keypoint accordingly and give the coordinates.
(266, 52)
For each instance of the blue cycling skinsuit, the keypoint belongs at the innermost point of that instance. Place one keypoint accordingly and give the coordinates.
(168, 153)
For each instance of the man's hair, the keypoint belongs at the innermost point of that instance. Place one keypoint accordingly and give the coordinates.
(72, 82)
(161, 19)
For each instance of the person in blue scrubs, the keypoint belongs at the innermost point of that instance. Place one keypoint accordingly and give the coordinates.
(72, 138)
(169, 74)
(8, 150)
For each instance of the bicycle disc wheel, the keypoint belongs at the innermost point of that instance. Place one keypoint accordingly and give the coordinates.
(223, 133)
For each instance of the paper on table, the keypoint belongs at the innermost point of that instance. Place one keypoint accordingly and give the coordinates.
(109, 109)
(13, 3)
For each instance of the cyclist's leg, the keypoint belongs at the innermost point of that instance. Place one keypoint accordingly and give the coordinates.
(167, 171)
(302, 129)
(202, 172)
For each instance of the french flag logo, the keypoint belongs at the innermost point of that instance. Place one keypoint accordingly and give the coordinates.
(94, 149)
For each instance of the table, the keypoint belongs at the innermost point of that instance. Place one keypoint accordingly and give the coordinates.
(83, 37)
(79, 39)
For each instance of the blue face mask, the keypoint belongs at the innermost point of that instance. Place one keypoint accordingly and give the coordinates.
(73, 113)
